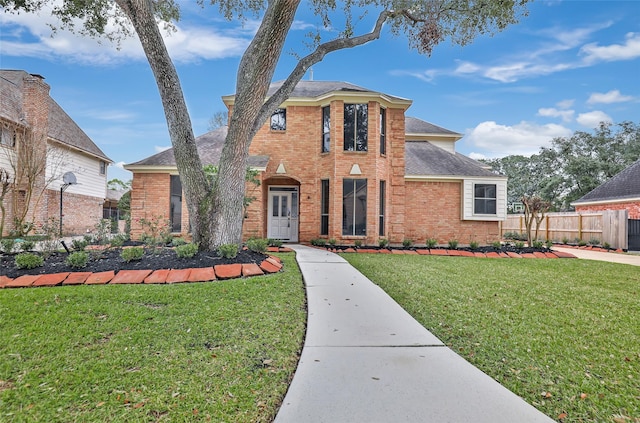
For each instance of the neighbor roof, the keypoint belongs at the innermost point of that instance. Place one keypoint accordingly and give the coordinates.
(425, 159)
(209, 147)
(624, 185)
(61, 127)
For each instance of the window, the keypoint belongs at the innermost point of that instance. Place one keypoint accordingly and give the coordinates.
(484, 199)
(354, 207)
(326, 129)
(324, 207)
(279, 120)
(383, 131)
(355, 127)
(103, 167)
(175, 212)
(383, 186)
(8, 137)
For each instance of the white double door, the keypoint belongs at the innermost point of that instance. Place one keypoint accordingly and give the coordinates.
(282, 218)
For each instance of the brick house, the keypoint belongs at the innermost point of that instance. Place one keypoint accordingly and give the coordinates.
(621, 192)
(33, 126)
(340, 161)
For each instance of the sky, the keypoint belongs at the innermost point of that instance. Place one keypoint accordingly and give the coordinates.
(565, 67)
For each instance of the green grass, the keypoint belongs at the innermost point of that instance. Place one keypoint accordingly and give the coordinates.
(222, 351)
(563, 334)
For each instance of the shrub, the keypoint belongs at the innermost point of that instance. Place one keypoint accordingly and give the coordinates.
(228, 251)
(582, 243)
(319, 242)
(453, 244)
(519, 245)
(383, 242)
(357, 243)
(28, 261)
(548, 243)
(275, 242)
(27, 246)
(186, 250)
(117, 241)
(497, 245)
(77, 259)
(565, 240)
(7, 244)
(606, 245)
(537, 243)
(132, 253)
(473, 245)
(594, 241)
(79, 244)
(407, 243)
(258, 245)
(432, 242)
(176, 242)
(332, 242)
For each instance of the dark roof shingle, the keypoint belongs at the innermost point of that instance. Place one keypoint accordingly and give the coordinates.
(625, 184)
(416, 126)
(425, 159)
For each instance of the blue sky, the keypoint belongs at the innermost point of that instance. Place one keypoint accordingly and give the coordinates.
(567, 66)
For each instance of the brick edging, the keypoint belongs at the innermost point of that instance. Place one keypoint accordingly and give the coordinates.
(456, 253)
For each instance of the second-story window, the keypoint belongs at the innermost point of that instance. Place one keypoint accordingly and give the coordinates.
(355, 127)
(383, 131)
(279, 120)
(326, 129)
(103, 167)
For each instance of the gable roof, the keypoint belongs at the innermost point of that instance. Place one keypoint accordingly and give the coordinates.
(61, 127)
(415, 126)
(425, 159)
(209, 147)
(624, 185)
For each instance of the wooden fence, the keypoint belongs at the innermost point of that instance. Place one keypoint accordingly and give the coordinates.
(608, 226)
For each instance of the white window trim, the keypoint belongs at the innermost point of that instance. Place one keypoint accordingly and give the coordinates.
(468, 199)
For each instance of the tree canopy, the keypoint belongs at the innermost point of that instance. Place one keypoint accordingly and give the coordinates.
(572, 166)
(216, 209)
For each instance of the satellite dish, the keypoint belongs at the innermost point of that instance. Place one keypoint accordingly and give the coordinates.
(69, 178)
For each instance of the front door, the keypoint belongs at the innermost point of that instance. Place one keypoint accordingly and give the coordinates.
(283, 213)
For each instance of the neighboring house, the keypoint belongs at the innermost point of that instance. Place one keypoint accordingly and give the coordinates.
(35, 129)
(340, 161)
(621, 192)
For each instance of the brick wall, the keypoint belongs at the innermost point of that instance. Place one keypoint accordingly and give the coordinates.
(632, 207)
(150, 199)
(433, 211)
(80, 213)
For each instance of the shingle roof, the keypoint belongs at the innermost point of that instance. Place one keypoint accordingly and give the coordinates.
(61, 127)
(209, 147)
(414, 125)
(425, 159)
(625, 184)
(318, 88)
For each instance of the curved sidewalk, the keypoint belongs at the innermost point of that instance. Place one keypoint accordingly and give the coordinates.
(365, 359)
(632, 259)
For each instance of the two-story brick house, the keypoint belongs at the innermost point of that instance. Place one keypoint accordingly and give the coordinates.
(40, 141)
(340, 161)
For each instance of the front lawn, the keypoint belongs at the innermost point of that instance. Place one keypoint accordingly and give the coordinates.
(219, 351)
(563, 334)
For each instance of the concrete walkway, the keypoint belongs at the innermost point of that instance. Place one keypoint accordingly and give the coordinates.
(365, 359)
(632, 259)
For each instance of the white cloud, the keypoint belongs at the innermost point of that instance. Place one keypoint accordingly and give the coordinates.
(566, 115)
(525, 138)
(593, 119)
(613, 96)
(627, 51)
(161, 148)
(119, 165)
(565, 104)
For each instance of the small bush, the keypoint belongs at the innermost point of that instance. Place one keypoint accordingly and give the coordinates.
(548, 243)
(28, 261)
(383, 242)
(319, 242)
(582, 243)
(594, 241)
(453, 244)
(497, 245)
(519, 245)
(606, 245)
(473, 245)
(565, 240)
(406, 243)
(79, 244)
(357, 243)
(117, 241)
(132, 253)
(332, 242)
(258, 245)
(537, 243)
(186, 250)
(27, 246)
(432, 242)
(77, 259)
(7, 244)
(176, 242)
(228, 251)
(275, 242)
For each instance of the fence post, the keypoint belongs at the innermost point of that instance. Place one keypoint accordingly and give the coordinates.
(546, 227)
(579, 226)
